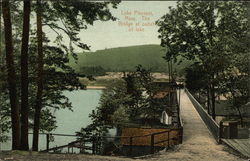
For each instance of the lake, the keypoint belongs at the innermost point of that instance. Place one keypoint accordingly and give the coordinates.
(83, 102)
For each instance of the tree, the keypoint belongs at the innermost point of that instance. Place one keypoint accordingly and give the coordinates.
(92, 71)
(48, 121)
(235, 85)
(76, 16)
(24, 145)
(40, 76)
(11, 76)
(235, 80)
(196, 81)
(130, 100)
(1, 39)
(198, 30)
(58, 75)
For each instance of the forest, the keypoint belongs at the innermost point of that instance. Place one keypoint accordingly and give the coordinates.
(126, 58)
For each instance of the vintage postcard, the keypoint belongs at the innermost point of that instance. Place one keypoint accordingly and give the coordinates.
(124, 80)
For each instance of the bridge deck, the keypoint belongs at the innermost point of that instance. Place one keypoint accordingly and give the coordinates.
(198, 143)
(240, 145)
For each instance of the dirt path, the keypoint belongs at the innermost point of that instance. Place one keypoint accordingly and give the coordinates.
(198, 143)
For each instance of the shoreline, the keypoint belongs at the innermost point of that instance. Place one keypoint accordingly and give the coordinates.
(95, 87)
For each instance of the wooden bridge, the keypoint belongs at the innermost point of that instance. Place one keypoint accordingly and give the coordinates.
(203, 124)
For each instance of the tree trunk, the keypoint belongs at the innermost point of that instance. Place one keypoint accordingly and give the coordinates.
(248, 13)
(213, 101)
(208, 100)
(241, 118)
(39, 94)
(24, 77)
(169, 79)
(1, 40)
(171, 70)
(199, 95)
(11, 76)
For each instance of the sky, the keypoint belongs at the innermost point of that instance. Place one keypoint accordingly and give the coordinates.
(140, 15)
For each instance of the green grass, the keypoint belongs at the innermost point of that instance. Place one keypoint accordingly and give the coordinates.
(17, 152)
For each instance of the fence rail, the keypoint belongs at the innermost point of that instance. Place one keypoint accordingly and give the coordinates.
(208, 120)
(95, 141)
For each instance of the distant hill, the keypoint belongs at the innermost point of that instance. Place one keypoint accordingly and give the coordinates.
(126, 58)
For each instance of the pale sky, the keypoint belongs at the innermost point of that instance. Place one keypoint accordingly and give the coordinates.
(110, 35)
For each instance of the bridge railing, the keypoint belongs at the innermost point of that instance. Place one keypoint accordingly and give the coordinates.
(208, 120)
(178, 100)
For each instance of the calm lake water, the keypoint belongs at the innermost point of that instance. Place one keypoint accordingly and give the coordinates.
(83, 102)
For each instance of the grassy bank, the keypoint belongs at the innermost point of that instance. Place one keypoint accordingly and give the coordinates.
(114, 77)
(36, 156)
(99, 82)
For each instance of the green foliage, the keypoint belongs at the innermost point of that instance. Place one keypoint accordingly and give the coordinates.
(113, 98)
(234, 87)
(5, 123)
(60, 17)
(202, 31)
(4, 112)
(196, 78)
(99, 82)
(130, 100)
(77, 15)
(126, 58)
(120, 115)
(216, 36)
(92, 71)
(58, 78)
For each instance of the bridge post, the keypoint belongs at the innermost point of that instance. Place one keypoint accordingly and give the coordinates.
(152, 143)
(47, 142)
(130, 145)
(181, 135)
(168, 139)
(220, 132)
(94, 146)
(81, 146)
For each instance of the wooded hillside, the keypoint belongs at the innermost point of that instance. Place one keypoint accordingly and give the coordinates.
(126, 58)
